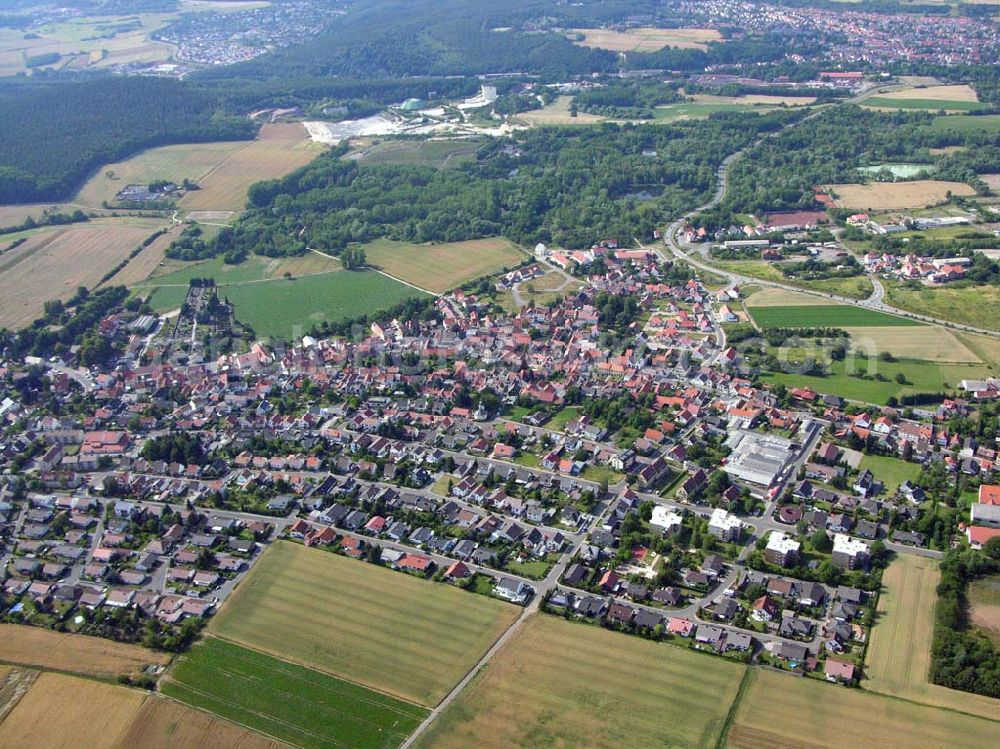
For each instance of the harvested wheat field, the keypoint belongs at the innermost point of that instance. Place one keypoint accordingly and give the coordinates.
(54, 262)
(344, 617)
(899, 654)
(765, 99)
(142, 265)
(647, 39)
(927, 342)
(90, 656)
(67, 712)
(567, 684)
(785, 711)
(783, 298)
(165, 724)
(278, 150)
(961, 92)
(895, 196)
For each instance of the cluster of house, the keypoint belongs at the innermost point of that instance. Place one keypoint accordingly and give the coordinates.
(930, 270)
(984, 516)
(72, 552)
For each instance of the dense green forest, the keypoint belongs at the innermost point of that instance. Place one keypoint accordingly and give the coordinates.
(627, 99)
(52, 137)
(566, 186)
(780, 173)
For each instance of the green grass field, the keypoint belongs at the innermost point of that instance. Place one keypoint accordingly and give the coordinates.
(694, 110)
(921, 377)
(441, 267)
(562, 417)
(891, 472)
(436, 153)
(926, 104)
(971, 305)
(963, 123)
(298, 705)
(824, 315)
(407, 637)
(566, 684)
(284, 307)
(782, 711)
(857, 287)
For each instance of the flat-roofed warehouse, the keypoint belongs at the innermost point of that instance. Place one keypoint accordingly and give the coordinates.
(758, 458)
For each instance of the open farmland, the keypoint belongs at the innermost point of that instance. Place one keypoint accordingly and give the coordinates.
(894, 196)
(647, 39)
(58, 712)
(55, 261)
(90, 656)
(899, 654)
(165, 724)
(146, 262)
(694, 110)
(886, 103)
(316, 290)
(567, 684)
(296, 704)
(172, 163)
(769, 297)
(955, 93)
(774, 100)
(986, 123)
(780, 710)
(345, 617)
(926, 342)
(825, 316)
(440, 267)
(277, 150)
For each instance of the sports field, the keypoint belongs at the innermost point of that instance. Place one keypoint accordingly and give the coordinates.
(567, 684)
(899, 654)
(64, 712)
(781, 710)
(56, 260)
(647, 39)
(894, 196)
(440, 267)
(403, 636)
(91, 656)
(825, 316)
(299, 705)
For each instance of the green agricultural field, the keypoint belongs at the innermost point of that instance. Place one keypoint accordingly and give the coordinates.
(441, 267)
(935, 105)
(407, 637)
(963, 123)
(436, 153)
(891, 472)
(781, 710)
(568, 684)
(274, 305)
(899, 652)
(824, 315)
(304, 707)
(857, 287)
(921, 377)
